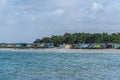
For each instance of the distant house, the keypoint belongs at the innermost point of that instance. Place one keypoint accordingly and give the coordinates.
(68, 46)
(44, 45)
(41, 44)
(29, 44)
(103, 46)
(11, 45)
(17, 44)
(82, 46)
(76, 46)
(50, 45)
(97, 46)
(116, 46)
(61, 46)
(20, 44)
(110, 46)
(91, 46)
(35, 44)
(3, 44)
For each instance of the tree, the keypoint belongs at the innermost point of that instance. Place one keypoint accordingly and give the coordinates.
(81, 38)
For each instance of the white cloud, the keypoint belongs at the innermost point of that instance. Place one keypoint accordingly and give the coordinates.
(2, 2)
(58, 12)
(54, 16)
(63, 3)
(96, 6)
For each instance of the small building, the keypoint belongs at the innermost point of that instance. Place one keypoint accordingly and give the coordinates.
(76, 46)
(11, 45)
(68, 46)
(29, 44)
(91, 46)
(110, 46)
(97, 46)
(17, 45)
(61, 46)
(103, 46)
(49, 45)
(116, 46)
(35, 44)
(82, 46)
(20, 45)
(3, 44)
(41, 44)
(44, 45)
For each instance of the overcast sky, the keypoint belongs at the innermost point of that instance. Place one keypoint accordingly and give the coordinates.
(27, 20)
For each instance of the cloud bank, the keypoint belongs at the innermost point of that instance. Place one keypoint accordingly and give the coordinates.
(27, 20)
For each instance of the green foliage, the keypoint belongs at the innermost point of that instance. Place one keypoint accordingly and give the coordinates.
(74, 38)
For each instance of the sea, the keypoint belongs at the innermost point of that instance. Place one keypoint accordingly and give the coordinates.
(52, 65)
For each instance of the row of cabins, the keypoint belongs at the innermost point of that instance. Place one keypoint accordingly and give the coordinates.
(27, 45)
(90, 46)
(67, 46)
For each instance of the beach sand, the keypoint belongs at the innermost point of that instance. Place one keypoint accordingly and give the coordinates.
(66, 50)
(86, 50)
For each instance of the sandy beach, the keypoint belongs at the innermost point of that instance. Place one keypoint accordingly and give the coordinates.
(84, 50)
(66, 50)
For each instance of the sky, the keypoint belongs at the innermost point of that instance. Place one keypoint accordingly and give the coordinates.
(27, 20)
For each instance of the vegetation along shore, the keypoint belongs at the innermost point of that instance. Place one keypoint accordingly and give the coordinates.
(72, 41)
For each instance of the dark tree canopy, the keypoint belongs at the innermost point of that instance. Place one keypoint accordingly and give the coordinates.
(74, 38)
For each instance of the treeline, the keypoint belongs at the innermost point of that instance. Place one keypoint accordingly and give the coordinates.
(75, 38)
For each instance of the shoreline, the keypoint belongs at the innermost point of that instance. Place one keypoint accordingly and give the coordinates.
(64, 50)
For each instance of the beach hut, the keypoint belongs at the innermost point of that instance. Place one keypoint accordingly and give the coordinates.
(75, 46)
(17, 45)
(41, 45)
(61, 46)
(110, 46)
(11, 45)
(50, 45)
(68, 46)
(29, 44)
(103, 46)
(97, 46)
(82, 46)
(3, 44)
(116, 46)
(20, 44)
(91, 46)
(35, 44)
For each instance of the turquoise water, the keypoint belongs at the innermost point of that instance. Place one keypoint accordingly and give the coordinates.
(31, 65)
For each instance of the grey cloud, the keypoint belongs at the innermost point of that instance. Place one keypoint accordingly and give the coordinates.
(37, 18)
